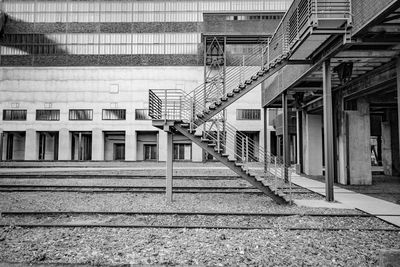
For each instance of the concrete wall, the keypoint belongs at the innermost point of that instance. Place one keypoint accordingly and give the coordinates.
(100, 88)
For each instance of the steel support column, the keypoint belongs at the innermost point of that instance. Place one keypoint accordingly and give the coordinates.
(398, 95)
(265, 139)
(169, 172)
(328, 130)
(285, 128)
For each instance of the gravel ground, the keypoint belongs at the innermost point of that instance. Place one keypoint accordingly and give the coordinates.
(125, 182)
(195, 247)
(204, 220)
(68, 201)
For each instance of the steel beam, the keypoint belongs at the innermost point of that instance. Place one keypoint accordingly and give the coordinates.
(285, 130)
(265, 139)
(169, 172)
(328, 130)
(398, 95)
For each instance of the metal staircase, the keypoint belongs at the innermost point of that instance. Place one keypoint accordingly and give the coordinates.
(198, 114)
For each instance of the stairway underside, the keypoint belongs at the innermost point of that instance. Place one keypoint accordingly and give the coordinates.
(231, 164)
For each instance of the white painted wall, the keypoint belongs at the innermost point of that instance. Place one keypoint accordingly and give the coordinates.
(100, 88)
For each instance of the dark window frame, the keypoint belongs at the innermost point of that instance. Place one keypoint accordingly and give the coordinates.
(240, 114)
(71, 110)
(148, 118)
(25, 111)
(52, 110)
(121, 109)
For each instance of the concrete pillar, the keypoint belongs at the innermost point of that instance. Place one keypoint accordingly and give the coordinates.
(341, 142)
(359, 145)
(386, 148)
(31, 145)
(130, 145)
(312, 144)
(394, 133)
(64, 151)
(97, 144)
(162, 145)
(328, 130)
(169, 167)
(285, 136)
(1, 144)
(299, 141)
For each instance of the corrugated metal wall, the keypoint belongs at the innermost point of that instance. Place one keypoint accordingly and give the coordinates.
(131, 11)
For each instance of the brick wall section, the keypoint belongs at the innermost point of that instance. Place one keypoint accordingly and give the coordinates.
(365, 10)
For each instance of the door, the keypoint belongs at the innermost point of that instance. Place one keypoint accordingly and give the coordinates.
(119, 151)
(10, 146)
(150, 152)
(42, 146)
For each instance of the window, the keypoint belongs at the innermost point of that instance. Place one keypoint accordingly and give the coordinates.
(47, 115)
(150, 152)
(80, 114)
(142, 114)
(14, 115)
(182, 151)
(114, 114)
(248, 114)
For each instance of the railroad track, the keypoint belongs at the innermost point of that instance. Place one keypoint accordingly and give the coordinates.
(108, 176)
(178, 220)
(138, 189)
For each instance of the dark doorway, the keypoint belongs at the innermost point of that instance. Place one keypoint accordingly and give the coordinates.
(119, 151)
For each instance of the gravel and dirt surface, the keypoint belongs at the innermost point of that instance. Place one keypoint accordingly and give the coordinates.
(69, 201)
(195, 247)
(295, 221)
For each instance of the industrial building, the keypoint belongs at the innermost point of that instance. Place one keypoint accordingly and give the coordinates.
(75, 75)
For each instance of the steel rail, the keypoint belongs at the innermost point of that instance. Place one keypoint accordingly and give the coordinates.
(48, 225)
(184, 213)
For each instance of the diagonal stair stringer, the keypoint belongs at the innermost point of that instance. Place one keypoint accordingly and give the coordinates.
(231, 164)
(237, 93)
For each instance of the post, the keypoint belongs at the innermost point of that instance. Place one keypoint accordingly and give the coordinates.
(247, 148)
(265, 139)
(169, 172)
(398, 95)
(328, 130)
(286, 145)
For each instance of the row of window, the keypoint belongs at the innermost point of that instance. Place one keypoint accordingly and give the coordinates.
(131, 11)
(74, 114)
(107, 114)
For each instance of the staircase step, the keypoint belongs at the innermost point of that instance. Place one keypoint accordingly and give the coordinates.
(242, 86)
(230, 94)
(239, 164)
(225, 155)
(211, 145)
(206, 140)
(218, 103)
(236, 90)
(200, 115)
(224, 98)
(212, 107)
(248, 82)
(254, 78)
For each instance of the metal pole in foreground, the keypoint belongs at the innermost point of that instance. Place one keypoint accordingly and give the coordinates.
(328, 130)
(169, 172)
